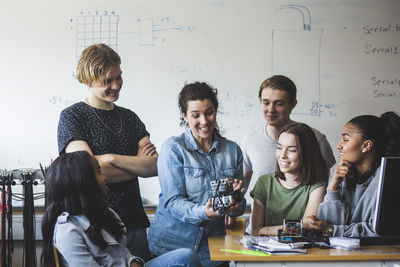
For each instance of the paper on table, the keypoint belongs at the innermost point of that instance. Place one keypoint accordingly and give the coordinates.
(248, 240)
(271, 245)
(274, 246)
(344, 243)
(285, 251)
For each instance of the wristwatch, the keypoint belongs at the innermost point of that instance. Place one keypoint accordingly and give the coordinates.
(139, 260)
(329, 230)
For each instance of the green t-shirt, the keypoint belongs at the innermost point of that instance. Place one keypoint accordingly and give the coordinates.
(280, 202)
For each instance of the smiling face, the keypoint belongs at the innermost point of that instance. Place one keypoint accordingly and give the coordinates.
(201, 118)
(287, 154)
(101, 179)
(106, 91)
(351, 144)
(276, 107)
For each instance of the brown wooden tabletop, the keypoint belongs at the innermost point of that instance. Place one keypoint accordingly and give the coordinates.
(366, 253)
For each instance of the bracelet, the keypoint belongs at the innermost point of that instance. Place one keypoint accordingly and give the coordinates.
(139, 260)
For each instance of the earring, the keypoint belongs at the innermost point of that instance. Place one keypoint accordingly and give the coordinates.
(363, 151)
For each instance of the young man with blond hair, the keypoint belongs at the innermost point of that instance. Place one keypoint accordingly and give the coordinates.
(115, 136)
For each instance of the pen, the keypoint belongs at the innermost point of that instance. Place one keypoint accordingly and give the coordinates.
(247, 252)
(258, 248)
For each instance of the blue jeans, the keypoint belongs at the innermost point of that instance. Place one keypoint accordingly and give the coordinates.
(137, 242)
(182, 257)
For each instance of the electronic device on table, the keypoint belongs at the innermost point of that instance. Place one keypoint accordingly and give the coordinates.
(387, 209)
(293, 231)
(223, 195)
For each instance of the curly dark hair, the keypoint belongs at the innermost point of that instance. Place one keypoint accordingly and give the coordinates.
(197, 91)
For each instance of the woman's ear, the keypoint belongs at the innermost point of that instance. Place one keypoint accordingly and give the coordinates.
(184, 116)
(366, 146)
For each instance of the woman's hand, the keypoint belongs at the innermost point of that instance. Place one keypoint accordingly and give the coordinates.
(269, 230)
(314, 224)
(237, 185)
(340, 174)
(209, 209)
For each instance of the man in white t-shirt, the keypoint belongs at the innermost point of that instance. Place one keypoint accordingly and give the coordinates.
(277, 96)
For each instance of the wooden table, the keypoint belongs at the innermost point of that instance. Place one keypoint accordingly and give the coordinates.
(366, 256)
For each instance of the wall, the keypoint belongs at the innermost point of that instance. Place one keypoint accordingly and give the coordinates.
(343, 56)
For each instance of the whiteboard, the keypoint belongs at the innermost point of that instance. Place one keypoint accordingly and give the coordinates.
(342, 55)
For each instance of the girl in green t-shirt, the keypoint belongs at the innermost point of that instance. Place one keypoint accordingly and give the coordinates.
(297, 187)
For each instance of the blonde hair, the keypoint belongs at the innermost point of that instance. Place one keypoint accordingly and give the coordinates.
(94, 63)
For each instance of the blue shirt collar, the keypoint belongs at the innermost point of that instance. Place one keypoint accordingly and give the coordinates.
(191, 143)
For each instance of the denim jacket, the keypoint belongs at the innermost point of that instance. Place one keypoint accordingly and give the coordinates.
(184, 173)
(77, 249)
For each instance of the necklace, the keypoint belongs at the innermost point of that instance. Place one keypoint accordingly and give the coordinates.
(105, 125)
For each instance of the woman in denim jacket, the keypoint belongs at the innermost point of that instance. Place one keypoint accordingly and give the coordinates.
(78, 223)
(186, 165)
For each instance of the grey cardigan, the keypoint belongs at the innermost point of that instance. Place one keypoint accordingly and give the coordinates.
(351, 211)
(77, 249)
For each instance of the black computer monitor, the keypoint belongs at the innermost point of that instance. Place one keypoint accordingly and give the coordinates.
(387, 210)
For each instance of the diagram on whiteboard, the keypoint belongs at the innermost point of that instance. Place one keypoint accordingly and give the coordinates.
(92, 29)
(292, 51)
(148, 30)
(104, 28)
